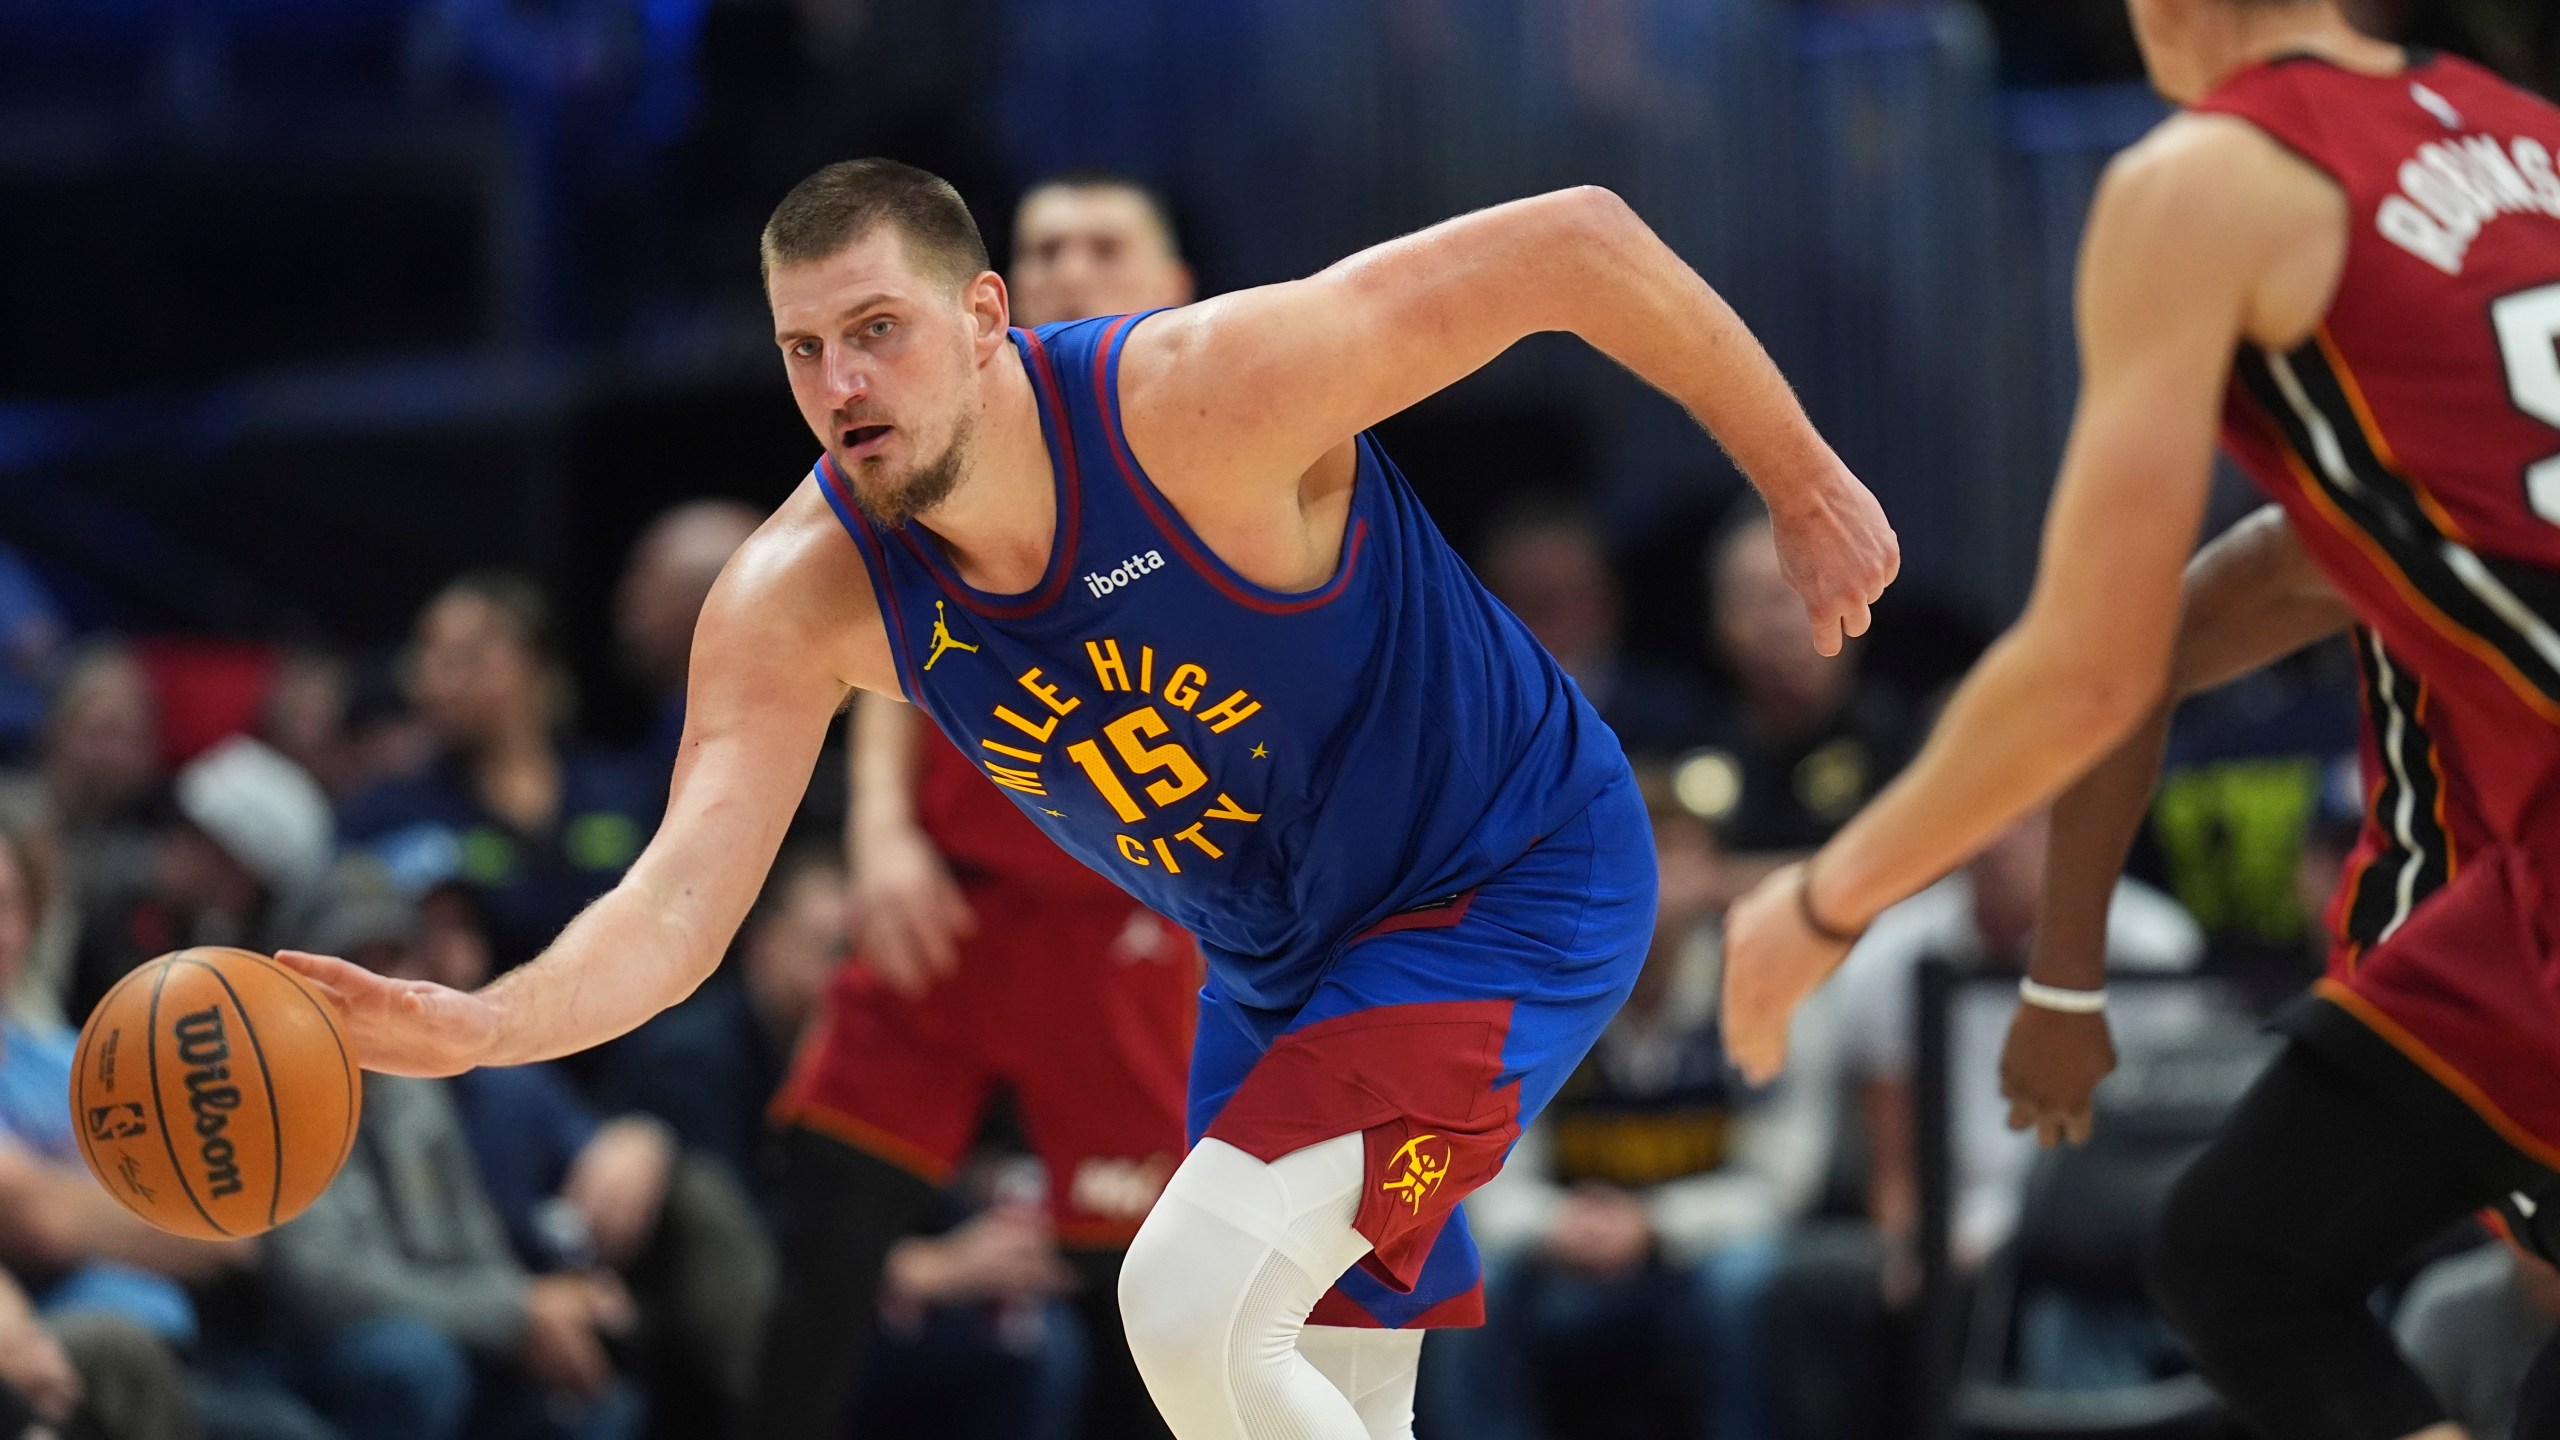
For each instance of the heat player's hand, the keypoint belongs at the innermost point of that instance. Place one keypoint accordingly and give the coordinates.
(1772, 961)
(401, 1027)
(2049, 1068)
(1838, 552)
(908, 913)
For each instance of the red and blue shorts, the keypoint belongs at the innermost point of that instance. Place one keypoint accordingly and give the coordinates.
(1439, 1035)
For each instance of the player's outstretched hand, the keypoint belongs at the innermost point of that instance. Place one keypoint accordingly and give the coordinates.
(1772, 961)
(1838, 552)
(909, 916)
(2049, 1068)
(401, 1027)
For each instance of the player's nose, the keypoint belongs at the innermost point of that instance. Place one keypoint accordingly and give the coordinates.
(847, 379)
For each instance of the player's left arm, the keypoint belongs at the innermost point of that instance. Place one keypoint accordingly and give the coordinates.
(1257, 387)
(2184, 234)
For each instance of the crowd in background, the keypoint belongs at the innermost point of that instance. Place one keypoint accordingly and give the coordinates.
(583, 1249)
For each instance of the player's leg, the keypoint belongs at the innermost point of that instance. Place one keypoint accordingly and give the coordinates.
(878, 1113)
(1376, 1369)
(840, 1211)
(2314, 1191)
(1219, 1283)
(1347, 1131)
(1095, 1044)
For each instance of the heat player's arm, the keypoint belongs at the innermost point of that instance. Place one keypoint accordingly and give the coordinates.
(2185, 237)
(880, 741)
(790, 625)
(2251, 597)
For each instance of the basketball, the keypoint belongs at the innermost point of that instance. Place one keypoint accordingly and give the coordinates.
(214, 1093)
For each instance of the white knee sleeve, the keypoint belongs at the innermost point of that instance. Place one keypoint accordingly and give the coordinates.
(1375, 1368)
(1218, 1284)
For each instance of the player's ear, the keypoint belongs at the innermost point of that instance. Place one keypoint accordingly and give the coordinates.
(990, 310)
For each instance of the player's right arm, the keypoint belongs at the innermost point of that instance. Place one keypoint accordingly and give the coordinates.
(790, 626)
(908, 913)
(2251, 597)
(1244, 405)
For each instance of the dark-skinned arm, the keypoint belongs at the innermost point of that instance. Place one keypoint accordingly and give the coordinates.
(2250, 598)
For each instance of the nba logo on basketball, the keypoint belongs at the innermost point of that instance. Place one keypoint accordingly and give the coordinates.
(117, 1122)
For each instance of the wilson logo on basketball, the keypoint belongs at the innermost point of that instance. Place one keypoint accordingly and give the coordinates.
(205, 1049)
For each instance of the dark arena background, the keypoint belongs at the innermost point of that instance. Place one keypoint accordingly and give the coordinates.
(312, 309)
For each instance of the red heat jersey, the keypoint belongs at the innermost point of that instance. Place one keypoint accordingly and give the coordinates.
(982, 835)
(2414, 440)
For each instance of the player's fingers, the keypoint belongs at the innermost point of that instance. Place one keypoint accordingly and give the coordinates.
(2020, 1117)
(1826, 633)
(342, 980)
(2049, 1131)
(2076, 1125)
(958, 913)
(1857, 619)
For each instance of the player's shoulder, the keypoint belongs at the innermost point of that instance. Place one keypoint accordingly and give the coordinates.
(2208, 193)
(799, 592)
(2196, 157)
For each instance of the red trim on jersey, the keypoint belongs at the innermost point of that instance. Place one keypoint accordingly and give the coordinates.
(1177, 533)
(875, 560)
(1062, 544)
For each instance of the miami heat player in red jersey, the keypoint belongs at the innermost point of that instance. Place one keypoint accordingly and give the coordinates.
(2344, 258)
(992, 961)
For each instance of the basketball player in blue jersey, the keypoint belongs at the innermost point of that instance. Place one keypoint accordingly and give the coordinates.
(1151, 572)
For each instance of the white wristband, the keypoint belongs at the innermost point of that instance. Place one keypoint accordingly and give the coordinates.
(2069, 1002)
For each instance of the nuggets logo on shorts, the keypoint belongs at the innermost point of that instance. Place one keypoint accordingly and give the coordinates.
(1421, 1174)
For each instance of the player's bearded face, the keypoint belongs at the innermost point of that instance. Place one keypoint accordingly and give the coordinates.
(895, 481)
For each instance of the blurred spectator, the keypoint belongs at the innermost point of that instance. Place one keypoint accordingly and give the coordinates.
(99, 759)
(670, 571)
(2472, 1324)
(1552, 568)
(405, 1256)
(1800, 742)
(1633, 1232)
(1091, 242)
(710, 1066)
(576, 1194)
(251, 836)
(1840, 1294)
(306, 718)
(32, 634)
(537, 826)
(105, 1286)
(87, 1373)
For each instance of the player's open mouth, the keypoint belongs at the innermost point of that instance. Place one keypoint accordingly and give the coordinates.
(862, 438)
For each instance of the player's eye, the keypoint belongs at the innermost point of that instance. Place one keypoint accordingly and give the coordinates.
(804, 349)
(879, 329)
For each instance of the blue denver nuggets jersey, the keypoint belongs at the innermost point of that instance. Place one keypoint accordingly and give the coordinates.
(1273, 772)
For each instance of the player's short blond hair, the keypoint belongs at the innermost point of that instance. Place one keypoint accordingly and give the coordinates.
(848, 200)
